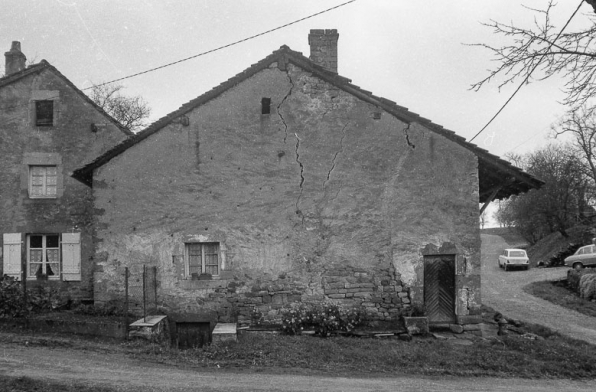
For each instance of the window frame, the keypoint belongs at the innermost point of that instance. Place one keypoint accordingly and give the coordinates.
(48, 120)
(204, 264)
(29, 274)
(45, 183)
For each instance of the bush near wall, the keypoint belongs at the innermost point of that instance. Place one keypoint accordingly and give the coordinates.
(322, 318)
(583, 282)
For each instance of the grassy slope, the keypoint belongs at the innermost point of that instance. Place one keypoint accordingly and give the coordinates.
(544, 249)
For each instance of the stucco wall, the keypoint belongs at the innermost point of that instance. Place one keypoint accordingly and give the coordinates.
(69, 144)
(318, 200)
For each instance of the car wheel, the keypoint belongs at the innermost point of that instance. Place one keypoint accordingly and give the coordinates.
(578, 266)
(527, 267)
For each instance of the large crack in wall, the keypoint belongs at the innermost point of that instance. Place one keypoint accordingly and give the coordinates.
(281, 103)
(341, 149)
(301, 171)
(406, 129)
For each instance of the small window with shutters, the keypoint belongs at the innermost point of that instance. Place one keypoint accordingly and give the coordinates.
(202, 258)
(50, 256)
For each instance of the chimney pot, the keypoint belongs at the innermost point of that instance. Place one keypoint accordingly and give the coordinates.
(323, 48)
(15, 59)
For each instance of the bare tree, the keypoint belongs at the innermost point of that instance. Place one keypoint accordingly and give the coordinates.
(571, 55)
(580, 124)
(131, 112)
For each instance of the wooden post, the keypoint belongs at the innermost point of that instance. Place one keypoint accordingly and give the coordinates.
(155, 286)
(126, 321)
(144, 292)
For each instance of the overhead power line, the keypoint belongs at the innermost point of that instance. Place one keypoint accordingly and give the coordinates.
(197, 55)
(531, 71)
(222, 47)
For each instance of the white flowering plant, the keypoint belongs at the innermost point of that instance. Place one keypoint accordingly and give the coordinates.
(325, 318)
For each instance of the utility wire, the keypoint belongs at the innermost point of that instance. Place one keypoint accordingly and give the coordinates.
(197, 55)
(532, 70)
(221, 47)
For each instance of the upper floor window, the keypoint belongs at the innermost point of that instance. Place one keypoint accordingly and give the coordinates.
(43, 181)
(44, 113)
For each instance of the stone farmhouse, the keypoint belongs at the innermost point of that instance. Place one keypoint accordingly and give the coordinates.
(287, 183)
(48, 128)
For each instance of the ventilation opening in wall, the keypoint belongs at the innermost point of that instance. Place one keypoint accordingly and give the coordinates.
(192, 334)
(265, 105)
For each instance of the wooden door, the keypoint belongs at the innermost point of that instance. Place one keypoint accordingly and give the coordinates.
(439, 288)
(192, 335)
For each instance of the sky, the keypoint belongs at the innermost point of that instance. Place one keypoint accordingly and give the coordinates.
(413, 52)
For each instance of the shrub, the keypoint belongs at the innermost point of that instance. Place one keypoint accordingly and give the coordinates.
(587, 286)
(325, 318)
(110, 308)
(12, 302)
(574, 278)
(558, 259)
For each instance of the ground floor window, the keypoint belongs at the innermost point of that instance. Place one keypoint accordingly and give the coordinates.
(43, 255)
(203, 258)
(47, 255)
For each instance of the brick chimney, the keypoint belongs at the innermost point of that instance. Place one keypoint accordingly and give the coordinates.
(15, 59)
(323, 48)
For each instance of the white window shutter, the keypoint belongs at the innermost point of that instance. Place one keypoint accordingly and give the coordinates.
(71, 256)
(12, 254)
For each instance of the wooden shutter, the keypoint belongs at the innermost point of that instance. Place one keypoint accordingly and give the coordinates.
(12, 254)
(71, 256)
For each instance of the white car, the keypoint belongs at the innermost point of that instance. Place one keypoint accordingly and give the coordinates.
(510, 258)
(583, 257)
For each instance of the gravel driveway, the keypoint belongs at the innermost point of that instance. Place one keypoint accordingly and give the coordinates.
(503, 291)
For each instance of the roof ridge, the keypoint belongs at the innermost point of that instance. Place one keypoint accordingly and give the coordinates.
(44, 64)
(297, 58)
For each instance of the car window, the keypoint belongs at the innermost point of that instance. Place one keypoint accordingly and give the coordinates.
(589, 249)
(581, 251)
(517, 253)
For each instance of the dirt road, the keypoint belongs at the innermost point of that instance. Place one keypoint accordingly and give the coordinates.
(503, 291)
(127, 375)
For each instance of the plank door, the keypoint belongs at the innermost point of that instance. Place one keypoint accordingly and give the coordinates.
(192, 335)
(439, 288)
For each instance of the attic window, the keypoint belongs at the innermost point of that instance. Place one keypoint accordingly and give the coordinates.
(265, 105)
(44, 113)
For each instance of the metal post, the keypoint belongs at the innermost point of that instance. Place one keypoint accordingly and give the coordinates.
(144, 293)
(155, 287)
(126, 303)
(24, 283)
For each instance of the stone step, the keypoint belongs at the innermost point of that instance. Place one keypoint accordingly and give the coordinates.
(152, 328)
(224, 332)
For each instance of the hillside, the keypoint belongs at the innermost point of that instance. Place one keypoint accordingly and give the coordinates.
(544, 249)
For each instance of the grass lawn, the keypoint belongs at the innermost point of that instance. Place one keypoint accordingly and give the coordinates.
(557, 293)
(513, 355)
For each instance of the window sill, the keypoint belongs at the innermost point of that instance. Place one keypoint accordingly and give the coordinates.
(188, 284)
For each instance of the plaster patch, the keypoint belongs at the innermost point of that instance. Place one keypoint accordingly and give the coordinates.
(406, 266)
